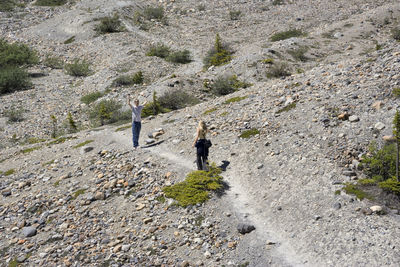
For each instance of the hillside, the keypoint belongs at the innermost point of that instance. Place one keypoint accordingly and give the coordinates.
(86, 197)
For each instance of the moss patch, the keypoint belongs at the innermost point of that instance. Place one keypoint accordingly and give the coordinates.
(249, 133)
(78, 193)
(286, 35)
(35, 140)
(196, 187)
(352, 189)
(235, 99)
(60, 140)
(123, 128)
(211, 110)
(83, 143)
(28, 150)
(287, 108)
(9, 172)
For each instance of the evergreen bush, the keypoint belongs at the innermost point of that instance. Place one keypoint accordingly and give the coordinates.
(78, 68)
(177, 99)
(218, 55)
(109, 25)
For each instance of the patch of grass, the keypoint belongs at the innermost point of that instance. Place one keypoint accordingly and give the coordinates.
(159, 50)
(223, 114)
(109, 25)
(196, 187)
(53, 62)
(78, 68)
(13, 263)
(208, 111)
(277, 2)
(366, 181)
(268, 61)
(127, 80)
(83, 143)
(337, 192)
(35, 140)
(181, 57)
(7, 5)
(50, 2)
(299, 54)
(286, 35)
(235, 14)
(177, 99)
(396, 33)
(28, 150)
(48, 162)
(123, 128)
(60, 140)
(352, 189)
(56, 184)
(396, 92)
(9, 172)
(14, 114)
(287, 108)
(160, 199)
(107, 112)
(156, 13)
(278, 70)
(219, 54)
(70, 40)
(91, 97)
(227, 85)
(78, 193)
(235, 99)
(249, 133)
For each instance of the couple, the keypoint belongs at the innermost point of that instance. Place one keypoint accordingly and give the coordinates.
(200, 142)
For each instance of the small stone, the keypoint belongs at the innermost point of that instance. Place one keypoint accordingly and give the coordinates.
(147, 220)
(317, 217)
(117, 248)
(354, 118)
(337, 206)
(6, 192)
(86, 149)
(245, 228)
(349, 173)
(338, 35)
(366, 211)
(343, 116)
(376, 209)
(260, 166)
(377, 105)
(99, 196)
(207, 254)
(389, 138)
(232, 244)
(21, 259)
(126, 248)
(140, 206)
(29, 231)
(149, 141)
(379, 126)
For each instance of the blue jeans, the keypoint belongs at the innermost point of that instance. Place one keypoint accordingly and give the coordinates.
(136, 126)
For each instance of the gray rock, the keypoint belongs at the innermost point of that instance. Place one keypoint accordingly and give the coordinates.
(29, 231)
(149, 141)
(354, 118)
(6, 193)
(260, 166)
(86, 149)
(245, 228)
(337, 206)
(379, 126)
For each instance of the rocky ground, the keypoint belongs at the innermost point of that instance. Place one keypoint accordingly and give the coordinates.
(101, 204)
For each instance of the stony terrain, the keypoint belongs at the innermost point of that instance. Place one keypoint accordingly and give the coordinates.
(101, 204)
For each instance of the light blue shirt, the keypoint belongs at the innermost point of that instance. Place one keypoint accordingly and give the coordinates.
(136, 113)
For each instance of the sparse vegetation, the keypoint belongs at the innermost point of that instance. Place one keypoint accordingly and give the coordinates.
(78, 68)
(70, 40)
(218, 55)
(277, 2)
(106, 112)
(126, 80)
(9, 172)
(156, 13)
(235, 99)
(7, 5)
(235, 14)
(159, 50)
(71, 124)
(14, 114)
(278, 70)
(196, 187)
(91, 97)
(177, 99)
(153, 108)
(286, 35)
(299, 54)
(227, 85)
(396, 91)
(208, 111)
(287, 108)
(268, 61)
(29, 150)
(50, 2)
(109, 25)
(53, 62)
(83, 143)
(396, 33)
(249, 133)
(54, 126)
(78, 193)
(352, 189)
(35, 140)
(182, 57)
(122, 128)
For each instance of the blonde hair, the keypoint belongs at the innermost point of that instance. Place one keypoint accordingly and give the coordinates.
(202, 127)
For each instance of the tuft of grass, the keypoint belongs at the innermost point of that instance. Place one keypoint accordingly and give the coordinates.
(287, 108)
(13, 263)
(249, 133)
(277, 2)
(366, 181)
(91, 97)
(60, 140)
(9, 172)
(235, 99)
(268, 61)
(53, 62)
(35, 140)
(177, 99)
(181, 57)
(126, 80)
(7, 5)
(235, 14)
(286, 35)
(337, 192)
(83, 143)
(78, 193)
(78, 68)
(48, 162)
(223, 114)
(159, 50)
(396, 33)
(50, 2)
(352, 189)
(156, 13)
(28, 150)
(396, 91)
(122, 128)
(160, 199)
(278, 70)
(70, 40)
(208, 111)
(196, 187)
(227, 85)
(14, 114)
(299, 54)
(109, 25)
(56, 184)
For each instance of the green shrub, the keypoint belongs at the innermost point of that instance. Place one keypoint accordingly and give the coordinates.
(391, 185)
(14, 114)
(218, 55)
(16, 54)
(299, 54)
(278, 70)
(249, 133)
(286, 35)
(235, 14)
(287, 108)
(352, 189)
(380, 164)
(153, 108)
(396, 91)
(227, 85)
(196, 187)
(366, 181)
(277, 2)
(182, 57)
(7, 5)
(90, 98)
(50, 2)
(109, 25)
(125, 80)
(78, 68)
(396, 33)
(208, 111)
(156, 13)
(106, 112)
(71, 124)
(177, 99)
(9, 172)
(54, 62)
(235, 99)
(268, 61)
(158, 50)
(13, 79)
(78, 193)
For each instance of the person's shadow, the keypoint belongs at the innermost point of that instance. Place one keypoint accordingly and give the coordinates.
(225, 186)
(224, 165)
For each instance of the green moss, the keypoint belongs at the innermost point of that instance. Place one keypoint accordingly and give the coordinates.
(235, 99)
(268, 61)
(196, 187)
(287, 108)
(83, 143)
(249, 133)
(337, 192)
(286, 35)
(225, 113)
(396, 91)
(78, 193)
(28, 150)
(70, 40)
(366, 181)
(48, 163)
(208, 111)
(123, 128)
(391, 185)
(160, 199)
(352, 189)
(35, 140)
(56, 184)
(13, 263)
(9, 172)
(60, 140)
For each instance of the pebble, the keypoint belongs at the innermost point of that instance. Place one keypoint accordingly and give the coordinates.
(29, 231)
(245, 228)
(354, 118)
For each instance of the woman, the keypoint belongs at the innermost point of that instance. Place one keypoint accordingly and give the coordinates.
(200, 144)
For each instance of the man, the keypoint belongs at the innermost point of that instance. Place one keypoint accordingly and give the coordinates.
(136, 120)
